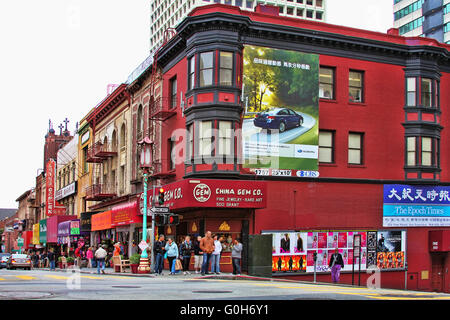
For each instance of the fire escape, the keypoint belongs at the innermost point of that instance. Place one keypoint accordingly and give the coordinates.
(97, 154)
(161, 108)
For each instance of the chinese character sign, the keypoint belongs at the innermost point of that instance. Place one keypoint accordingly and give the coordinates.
(50, 188)
(416, 206)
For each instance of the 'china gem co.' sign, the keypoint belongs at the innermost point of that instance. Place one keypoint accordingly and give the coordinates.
(214, 194)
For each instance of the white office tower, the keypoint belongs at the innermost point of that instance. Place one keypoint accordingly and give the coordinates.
(428, 18)
(168, 13)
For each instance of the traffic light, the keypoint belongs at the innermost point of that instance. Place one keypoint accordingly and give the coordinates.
(174, 219)
(161, 196)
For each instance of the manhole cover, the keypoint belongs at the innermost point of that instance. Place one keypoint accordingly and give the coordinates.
(129, 287)
(24, 295)
(212, 291)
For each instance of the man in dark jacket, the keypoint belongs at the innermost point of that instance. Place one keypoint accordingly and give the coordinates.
(158, 251)
(51, 259)
(336, 263)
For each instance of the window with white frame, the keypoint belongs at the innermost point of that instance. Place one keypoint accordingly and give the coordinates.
(225, 137)
(355, 148)
(326, 146)
(205, 138)
(410, 91)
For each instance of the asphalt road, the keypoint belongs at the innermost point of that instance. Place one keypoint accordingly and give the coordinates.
(62, 285)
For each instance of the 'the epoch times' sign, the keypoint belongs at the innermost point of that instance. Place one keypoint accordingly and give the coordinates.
(416, 206)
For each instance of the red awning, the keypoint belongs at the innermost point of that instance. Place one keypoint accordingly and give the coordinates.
(125, 214)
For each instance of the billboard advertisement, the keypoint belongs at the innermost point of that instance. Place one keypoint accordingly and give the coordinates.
(293, 251)
(416, 206)
(280, 132)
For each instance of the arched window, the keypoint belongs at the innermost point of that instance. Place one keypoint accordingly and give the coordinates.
(114, 141)
(122, 137)
(140, 122)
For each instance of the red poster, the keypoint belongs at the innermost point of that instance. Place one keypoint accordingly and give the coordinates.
(322, 239)
(342, 240)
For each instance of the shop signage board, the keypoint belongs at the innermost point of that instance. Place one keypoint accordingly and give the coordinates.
(35, 234)
(52, 207)
(416, 206)
(43, 231)
(210, 193)
(66, 191)
(280, 134)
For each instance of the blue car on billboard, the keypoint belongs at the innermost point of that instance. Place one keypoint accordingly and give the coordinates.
(278, 118)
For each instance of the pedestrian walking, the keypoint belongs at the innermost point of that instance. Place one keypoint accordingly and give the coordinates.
(43, 259)
(336, 263)
(236, 255)
(51, 259)
(78, 256)
(100, 256)
(172, 252)
(186, 249)
(90, 256)
(215, 258)
(207, 246)
(158, 250)
(198, 255)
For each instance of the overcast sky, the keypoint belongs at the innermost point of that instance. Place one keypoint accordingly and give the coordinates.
(58, 56)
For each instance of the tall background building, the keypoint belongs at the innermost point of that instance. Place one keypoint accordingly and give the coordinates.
(428, 18)
(168, 13)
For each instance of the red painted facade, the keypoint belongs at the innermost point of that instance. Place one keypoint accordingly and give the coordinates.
(344, 197)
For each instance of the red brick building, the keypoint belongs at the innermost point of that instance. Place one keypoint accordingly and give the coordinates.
(382, 105)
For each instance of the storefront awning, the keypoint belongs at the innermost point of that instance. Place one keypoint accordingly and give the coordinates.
(52, 226)
(125, 214)
(101, 221)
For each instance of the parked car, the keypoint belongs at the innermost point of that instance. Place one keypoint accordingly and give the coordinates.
(278, 118)
(19, 261)
(4, 259)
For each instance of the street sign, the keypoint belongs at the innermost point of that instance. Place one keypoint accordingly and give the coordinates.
(143, 245)
(160, 209)
(20, 242)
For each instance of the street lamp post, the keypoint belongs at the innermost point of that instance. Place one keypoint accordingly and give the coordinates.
(145, 164)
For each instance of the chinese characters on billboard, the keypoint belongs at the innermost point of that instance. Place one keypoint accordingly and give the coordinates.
(293, 252)
(416, 206)
(280, 126)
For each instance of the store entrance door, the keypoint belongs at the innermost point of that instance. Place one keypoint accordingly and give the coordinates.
(437, 272)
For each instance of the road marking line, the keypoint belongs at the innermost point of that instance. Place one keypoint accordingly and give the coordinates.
(58, 277)
(26, 277)
(91, 277)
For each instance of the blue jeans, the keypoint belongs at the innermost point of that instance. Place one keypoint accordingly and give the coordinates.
(206, 259)
(159, 263)
(52, 265)
(100, 262)
(215, 263)
(236, 265)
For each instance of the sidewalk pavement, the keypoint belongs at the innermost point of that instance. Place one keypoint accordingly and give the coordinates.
(166, 273)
